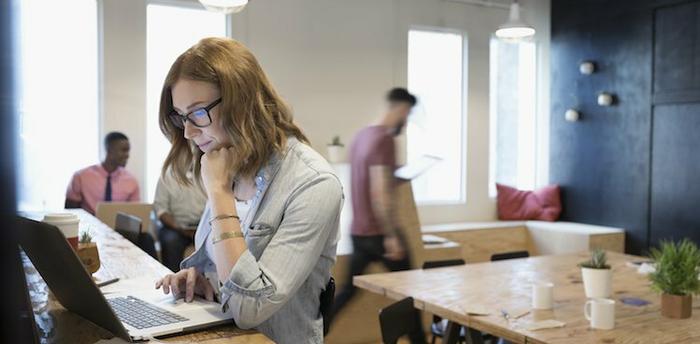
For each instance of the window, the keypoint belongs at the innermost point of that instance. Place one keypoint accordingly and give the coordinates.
(58, 126)
(513, 120)
(437, 76)
(171, 31)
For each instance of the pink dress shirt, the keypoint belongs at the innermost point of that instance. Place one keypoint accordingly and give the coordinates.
(88, 187)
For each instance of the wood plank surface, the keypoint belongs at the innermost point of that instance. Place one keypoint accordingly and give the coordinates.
(452, 292)
(119, 258)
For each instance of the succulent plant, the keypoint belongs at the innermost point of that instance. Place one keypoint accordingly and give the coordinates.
(599, 260)
(85, 237)
(336, 142)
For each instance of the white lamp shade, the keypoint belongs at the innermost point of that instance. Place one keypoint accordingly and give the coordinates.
(515, 33)
(224, 6)
(515, 29)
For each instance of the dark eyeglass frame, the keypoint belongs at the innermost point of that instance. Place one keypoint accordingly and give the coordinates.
(179, 120)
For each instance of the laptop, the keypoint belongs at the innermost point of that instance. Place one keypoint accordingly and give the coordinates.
(139, 312)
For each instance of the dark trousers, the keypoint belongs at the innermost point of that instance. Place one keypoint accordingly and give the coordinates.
(172, 247)
(367, 249)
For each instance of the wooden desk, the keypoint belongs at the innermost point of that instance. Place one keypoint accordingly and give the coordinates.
(119, 258)
(448, 292)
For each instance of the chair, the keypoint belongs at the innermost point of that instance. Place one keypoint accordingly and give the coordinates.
(510, 255)
(107, 211)
(401, 319)
(129, 226)
(505, 256)
(439, 326)
(443, 263)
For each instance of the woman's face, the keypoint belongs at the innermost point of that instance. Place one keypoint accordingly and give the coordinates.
(189, 95)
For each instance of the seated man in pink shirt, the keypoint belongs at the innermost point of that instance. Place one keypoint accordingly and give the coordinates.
(105, 182)
(108, 182)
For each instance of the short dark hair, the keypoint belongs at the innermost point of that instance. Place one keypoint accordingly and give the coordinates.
(113, 137)
(399, 94)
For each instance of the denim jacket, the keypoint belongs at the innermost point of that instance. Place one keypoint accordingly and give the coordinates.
(291, 232)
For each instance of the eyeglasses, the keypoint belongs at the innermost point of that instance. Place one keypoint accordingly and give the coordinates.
(200, 117)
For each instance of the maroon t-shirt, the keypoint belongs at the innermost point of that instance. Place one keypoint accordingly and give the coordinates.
(372, 146)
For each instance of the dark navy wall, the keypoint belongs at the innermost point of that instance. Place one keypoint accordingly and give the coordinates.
(632, 165)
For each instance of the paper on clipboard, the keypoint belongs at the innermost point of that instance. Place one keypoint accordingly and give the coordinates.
(417, 167)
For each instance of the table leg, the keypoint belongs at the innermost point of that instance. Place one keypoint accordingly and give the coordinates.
(473, 336)
(451, 335)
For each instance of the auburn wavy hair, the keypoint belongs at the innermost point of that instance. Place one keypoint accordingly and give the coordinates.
(251, 112)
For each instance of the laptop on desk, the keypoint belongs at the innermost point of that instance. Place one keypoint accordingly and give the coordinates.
(139, 312)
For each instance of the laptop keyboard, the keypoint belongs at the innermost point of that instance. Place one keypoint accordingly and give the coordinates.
(141, 314)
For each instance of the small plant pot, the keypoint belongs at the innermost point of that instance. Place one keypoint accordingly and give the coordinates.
(336, 154)
(89, 256)
(597, 282)
(676, 306)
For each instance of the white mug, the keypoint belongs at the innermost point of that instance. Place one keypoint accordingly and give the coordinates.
(601, 313)
(542, 295)
(68, 224)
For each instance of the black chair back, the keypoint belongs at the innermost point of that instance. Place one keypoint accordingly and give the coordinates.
(443, 263)
(509, 255)
(401, 319)
(128, 226)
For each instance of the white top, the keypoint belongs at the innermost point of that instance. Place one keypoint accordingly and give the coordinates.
(185, 203)
(242, 208)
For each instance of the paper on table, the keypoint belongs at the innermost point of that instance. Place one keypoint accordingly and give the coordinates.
(646, 268)
(518, 313)
(433, 239)
(475, 310)
(544, 324)
(129, 285)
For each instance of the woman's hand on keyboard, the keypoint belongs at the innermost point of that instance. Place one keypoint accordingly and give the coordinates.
(187, 283)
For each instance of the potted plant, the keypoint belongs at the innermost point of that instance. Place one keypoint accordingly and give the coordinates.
(87, 252)
(676, 277)
(597, 275)
(336, 150)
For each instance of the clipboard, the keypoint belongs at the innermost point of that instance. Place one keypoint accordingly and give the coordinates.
(417, 167)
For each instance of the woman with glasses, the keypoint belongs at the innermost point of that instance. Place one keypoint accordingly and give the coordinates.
(266, 242)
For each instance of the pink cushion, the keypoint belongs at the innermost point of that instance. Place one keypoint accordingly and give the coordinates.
(543, 204)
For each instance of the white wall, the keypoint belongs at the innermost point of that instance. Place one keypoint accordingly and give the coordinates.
(122, 40)
(332, 60)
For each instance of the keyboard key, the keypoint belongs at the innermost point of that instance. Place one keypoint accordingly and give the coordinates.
(140, 314)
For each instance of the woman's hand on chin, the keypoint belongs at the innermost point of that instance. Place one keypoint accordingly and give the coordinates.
(217, 171)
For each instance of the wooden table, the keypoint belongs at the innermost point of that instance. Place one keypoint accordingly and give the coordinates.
(118, 258)
(450, 292)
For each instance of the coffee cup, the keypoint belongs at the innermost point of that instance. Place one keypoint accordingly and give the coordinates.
(542, 295)
(68, 224)
(600, 313)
